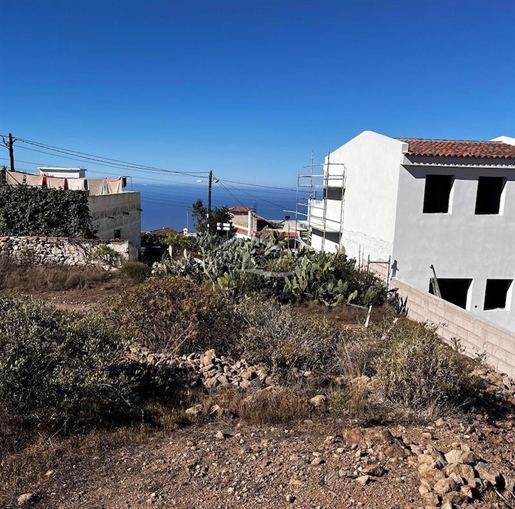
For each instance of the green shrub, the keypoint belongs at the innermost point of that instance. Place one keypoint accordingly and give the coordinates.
(60, 371)
(420, 372)
(135, 270)
(176, 316)
(46, 212)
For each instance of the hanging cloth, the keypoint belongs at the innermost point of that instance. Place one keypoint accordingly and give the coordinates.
(96, 186)
(55, 183)
(15, 178)
(34, 180)
(77, 184)
(114, 185)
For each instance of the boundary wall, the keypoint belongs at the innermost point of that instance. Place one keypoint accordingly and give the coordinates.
(476, 335)
(63, 251)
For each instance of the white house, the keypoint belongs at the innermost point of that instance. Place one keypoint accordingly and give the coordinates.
(115, 213)
(417, 203)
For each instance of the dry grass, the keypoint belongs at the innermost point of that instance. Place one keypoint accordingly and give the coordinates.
(29, 278)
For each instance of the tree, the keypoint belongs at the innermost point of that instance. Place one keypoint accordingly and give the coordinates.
(218, 215)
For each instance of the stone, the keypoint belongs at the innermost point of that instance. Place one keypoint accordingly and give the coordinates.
(465, 471)
(444, 486)
(354, 437)
(290, 498)
(317, 461)
(487, 473)
(319, 401)
(469, 458)
(375, 469)
(363, 479)
(455, 497)
(26, 498)
(194, 411)
(423, 489)
(454, 456)
(208, 357)
(220, 435)
(431, 499)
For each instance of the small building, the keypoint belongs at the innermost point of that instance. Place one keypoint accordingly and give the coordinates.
(115, 213)
(58, 172)
(412, 204)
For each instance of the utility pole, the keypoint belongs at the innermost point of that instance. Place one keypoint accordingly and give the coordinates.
(209, 195)
(11, 151)
(9, 145)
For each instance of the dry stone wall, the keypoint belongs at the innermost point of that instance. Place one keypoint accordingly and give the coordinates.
(65, 251)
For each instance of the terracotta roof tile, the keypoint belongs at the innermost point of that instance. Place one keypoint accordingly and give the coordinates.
(459, 148)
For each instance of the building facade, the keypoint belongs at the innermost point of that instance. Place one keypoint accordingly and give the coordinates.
(426, 207)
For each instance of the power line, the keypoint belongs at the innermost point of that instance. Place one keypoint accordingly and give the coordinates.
(259, 185)
(106, 160)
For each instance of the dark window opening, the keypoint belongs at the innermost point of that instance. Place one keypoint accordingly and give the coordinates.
(437, 193)
(333, 193)
(117, 234)
(496, 293)
(453, 290)
(489, 191)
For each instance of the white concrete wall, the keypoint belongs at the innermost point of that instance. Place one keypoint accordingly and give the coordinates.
(371, 165)
(459, 244)
(117, 211)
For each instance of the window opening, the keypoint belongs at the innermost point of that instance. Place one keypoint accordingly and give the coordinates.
(453, 290)
(488, 198)
(437, 193)
(496, 293)
(117, 234)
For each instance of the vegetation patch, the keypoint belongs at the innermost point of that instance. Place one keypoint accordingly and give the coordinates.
(176, 316)
(40, 211)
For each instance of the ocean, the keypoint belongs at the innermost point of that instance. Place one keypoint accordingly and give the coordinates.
(169, 205)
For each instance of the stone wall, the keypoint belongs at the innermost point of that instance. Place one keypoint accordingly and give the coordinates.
(63, 251)
(476, 336)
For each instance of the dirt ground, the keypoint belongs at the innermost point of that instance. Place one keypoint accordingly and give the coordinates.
(229, 464)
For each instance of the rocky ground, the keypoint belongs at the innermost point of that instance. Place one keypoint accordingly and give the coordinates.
(466, 461)
(219, 461)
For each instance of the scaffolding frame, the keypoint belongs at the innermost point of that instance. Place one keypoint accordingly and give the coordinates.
(315, 215)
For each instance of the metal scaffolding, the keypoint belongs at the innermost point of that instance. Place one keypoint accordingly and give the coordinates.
(312, 206)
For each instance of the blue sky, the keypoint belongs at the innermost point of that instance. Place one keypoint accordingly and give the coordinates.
(248, 88)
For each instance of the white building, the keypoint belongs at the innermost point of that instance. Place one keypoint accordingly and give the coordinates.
(417, 203)
(115, 214)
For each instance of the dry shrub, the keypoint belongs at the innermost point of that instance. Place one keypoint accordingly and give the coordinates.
(135, 270)
(284, 339)
(420, 372)
(173, 315)
(274, 406)
(267, 406)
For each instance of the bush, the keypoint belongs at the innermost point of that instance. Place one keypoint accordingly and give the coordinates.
(284, 339)
(420, 372)
(135, 270)
(61, 371)
(176, 316)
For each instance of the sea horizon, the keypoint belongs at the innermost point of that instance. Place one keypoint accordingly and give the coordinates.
(169, 205)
